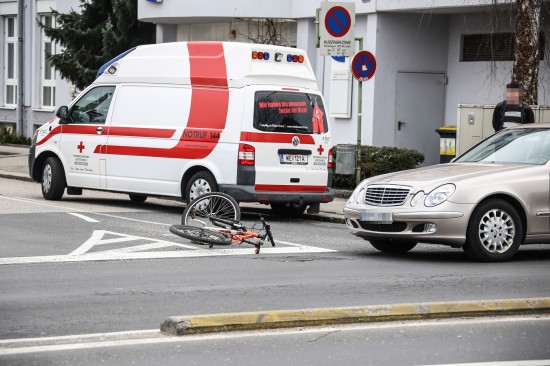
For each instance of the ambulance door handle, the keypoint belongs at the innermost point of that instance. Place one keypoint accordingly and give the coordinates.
(99, 130)
(400, 124)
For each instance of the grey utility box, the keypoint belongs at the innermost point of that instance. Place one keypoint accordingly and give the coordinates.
(345, 159)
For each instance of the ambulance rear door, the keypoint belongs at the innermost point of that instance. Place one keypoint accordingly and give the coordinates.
(291, 140)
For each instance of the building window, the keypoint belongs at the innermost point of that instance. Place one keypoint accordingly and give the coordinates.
(10, 61)
(492, 47)
(48, 72)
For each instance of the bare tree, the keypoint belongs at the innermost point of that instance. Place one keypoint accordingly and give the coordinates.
(527, 48)
(266, 31)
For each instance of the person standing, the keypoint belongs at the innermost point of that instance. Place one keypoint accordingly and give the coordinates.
(513, 110)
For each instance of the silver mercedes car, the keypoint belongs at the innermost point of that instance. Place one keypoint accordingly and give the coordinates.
(489, 201)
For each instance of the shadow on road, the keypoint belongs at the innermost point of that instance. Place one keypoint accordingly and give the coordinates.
(531, 253)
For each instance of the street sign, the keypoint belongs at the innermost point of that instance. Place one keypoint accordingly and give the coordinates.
(363, 65)
(337, 29)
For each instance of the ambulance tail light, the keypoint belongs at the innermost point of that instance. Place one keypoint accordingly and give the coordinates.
(246, 154)
(330, 161)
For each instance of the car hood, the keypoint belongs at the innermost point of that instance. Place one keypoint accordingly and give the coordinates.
(444, 173)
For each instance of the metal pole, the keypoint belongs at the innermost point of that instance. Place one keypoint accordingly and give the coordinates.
(20, 66)
(359, 114)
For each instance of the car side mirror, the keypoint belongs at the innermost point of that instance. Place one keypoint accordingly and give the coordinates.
(62, 112)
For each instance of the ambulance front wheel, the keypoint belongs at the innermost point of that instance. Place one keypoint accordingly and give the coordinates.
(288, 209)
(199, 184)
(53, 179)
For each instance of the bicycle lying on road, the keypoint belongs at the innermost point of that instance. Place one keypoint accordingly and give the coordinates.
(214, 219)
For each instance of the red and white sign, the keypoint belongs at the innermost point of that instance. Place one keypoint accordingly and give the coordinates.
(337, 29)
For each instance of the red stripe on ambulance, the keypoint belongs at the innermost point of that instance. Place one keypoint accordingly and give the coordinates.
(275, 138)
(290, 188)
(208, 113)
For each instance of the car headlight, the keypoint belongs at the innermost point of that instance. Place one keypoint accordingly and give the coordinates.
(358, 194)
(439, 195)
(419, 196)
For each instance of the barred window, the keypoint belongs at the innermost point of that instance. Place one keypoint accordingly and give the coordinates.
(492, 47)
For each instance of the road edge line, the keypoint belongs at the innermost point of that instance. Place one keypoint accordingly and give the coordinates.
(226, 322)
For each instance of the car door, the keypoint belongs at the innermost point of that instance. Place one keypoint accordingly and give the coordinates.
(82, 135)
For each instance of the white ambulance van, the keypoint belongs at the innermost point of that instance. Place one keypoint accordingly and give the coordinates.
(183, 119)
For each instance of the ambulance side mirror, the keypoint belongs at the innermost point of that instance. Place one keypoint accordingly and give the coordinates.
(63, 113)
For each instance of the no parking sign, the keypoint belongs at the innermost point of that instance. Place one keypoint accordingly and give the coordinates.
(363, 65)
(337, 29)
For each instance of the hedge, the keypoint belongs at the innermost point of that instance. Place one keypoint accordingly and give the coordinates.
(7, 137)
(376, 160)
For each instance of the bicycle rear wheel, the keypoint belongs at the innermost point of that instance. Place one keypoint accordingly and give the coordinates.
(216, 205)
(200, 235)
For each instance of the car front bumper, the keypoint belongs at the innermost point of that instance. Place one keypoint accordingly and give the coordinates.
(444, 224)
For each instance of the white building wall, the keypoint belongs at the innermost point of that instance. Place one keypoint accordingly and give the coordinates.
(405, 43)
(480, 82)
(34, 113)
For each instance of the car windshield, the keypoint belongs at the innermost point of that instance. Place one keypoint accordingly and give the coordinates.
(520, 145)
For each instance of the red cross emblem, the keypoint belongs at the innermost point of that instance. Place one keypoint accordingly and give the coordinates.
(320, 149)
(81, 147)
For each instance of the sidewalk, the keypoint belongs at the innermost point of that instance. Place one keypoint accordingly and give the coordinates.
(14, 165)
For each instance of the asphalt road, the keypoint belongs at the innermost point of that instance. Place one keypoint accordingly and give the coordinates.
(493, 340)
(99, 263)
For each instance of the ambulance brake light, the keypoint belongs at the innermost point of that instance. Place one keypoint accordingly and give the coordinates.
(246, 154)
(330, 161)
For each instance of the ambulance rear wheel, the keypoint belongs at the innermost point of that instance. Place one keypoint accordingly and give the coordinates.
(137, 198)
(53, 179)
(199, 184)
(288, 209)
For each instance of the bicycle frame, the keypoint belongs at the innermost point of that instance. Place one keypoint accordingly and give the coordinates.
(240, 234)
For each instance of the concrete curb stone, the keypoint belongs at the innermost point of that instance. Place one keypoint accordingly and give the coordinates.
(211, 323)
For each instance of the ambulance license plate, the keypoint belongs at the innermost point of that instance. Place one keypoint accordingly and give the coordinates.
(293, 159)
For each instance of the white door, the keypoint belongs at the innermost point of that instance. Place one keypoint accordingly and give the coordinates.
(419, 111)
(82, 136)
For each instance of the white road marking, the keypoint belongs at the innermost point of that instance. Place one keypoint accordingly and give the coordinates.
(28, 200)
(137, 252)
(144, 337)
(117, 256)
(501, 363)
(80, 216)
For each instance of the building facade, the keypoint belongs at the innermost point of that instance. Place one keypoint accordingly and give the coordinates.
(43, 88)
(431, 57)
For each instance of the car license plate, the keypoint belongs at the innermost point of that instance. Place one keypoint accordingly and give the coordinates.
(293, 159)
(376, 216)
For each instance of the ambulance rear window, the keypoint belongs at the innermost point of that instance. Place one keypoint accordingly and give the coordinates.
(282, 111)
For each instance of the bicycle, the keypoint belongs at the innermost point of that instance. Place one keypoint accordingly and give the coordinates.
(216, 217)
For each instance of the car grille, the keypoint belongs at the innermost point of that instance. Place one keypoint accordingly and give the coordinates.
(386, 195)
(395, 227)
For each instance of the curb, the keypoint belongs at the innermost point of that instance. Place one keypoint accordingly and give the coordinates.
(210, 323)
(16, 177)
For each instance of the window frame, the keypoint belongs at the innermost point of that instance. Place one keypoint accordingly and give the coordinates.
(10, 81)
(47, 83)
(82, 96)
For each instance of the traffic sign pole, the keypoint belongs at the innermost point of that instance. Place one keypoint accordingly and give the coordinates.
(359, 115)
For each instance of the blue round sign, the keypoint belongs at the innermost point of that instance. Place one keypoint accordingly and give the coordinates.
(363, 65)
(337, 21)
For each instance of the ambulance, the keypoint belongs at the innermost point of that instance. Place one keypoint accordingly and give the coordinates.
(183, 119)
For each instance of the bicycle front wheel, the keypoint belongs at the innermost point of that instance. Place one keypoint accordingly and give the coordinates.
(200, 235)
(211, 205)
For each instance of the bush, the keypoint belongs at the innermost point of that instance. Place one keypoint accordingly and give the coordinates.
(377, 160)
(7, 137)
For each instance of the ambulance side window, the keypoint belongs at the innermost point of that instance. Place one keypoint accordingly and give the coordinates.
(93, 107)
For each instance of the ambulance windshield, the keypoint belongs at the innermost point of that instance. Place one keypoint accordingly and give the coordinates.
(282, 111)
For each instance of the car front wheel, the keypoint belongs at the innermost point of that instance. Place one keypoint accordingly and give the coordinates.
(392, 246)
(494, 233)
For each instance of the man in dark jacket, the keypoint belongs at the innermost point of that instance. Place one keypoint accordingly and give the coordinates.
(513, 110)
